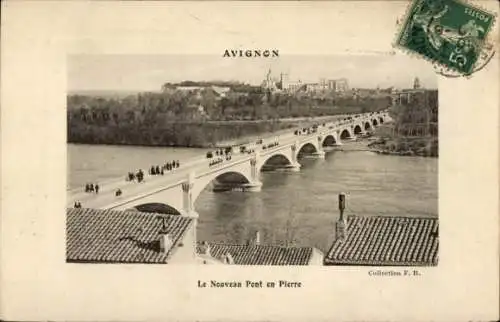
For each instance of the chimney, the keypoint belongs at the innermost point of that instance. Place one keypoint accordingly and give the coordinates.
(205, 249)
(164, 225)
(164, 238)
(165, 242)
(341, 224)
(228, 259)
(257, 238)
(341, 205)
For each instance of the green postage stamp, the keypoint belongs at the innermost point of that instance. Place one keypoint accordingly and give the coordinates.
(449, 33)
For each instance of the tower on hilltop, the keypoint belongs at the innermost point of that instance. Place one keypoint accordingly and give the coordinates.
(416, 83)
(284, 81)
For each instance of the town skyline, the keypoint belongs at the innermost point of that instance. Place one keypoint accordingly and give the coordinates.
(150, 72)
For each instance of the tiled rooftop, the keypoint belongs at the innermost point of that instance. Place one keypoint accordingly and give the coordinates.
(110, 236)
(261, 254)
(395, 241)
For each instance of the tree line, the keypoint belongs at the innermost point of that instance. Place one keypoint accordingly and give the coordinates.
(176, 117)
(415, 127)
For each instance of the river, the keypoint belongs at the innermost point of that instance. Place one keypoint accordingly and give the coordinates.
(300, 207)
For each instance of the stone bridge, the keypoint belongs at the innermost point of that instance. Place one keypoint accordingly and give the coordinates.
(176, 191)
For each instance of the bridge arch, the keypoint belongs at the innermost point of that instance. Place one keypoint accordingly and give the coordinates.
(357, 129)
(381, 120)
(374, 122)
(231, 177)
(179, 198)
(224, 179)
(167, 200)
(275, 160)
(345, 134)
(329, 140)
(156, 207)
(368, 126)
(307, 148)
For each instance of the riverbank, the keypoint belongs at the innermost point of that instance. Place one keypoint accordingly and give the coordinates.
(388, 144)
(193, 135)
(424, 147)
(187, 134)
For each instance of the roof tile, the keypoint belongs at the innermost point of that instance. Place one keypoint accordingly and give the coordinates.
(110, 236)
(261, 254)
(382, 240)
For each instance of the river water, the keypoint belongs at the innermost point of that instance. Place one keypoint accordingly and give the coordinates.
(297, 207)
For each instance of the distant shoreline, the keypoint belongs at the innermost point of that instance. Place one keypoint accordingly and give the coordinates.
(419, 146)
(137, 145)
(227, 131)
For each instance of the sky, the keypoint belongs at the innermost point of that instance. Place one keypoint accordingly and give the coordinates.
(149, 72)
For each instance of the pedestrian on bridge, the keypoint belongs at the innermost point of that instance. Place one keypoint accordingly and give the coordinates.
(140, 175)
(96, 188)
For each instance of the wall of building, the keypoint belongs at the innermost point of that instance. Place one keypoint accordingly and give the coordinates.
(293, 87)
(283, 82)
(185, 254)
(316, 257)
(341, 85)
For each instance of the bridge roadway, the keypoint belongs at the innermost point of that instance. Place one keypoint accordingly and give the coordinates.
(197, 168)
(106, 196)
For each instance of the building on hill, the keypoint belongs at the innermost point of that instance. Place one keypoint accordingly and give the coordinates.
(221, 91)
(271, 83)
(283, 83)
(189, 88)
(338, 85)
(416, 83)
(315, 88)
(218, 91)
(324, 85)
(295, 86)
